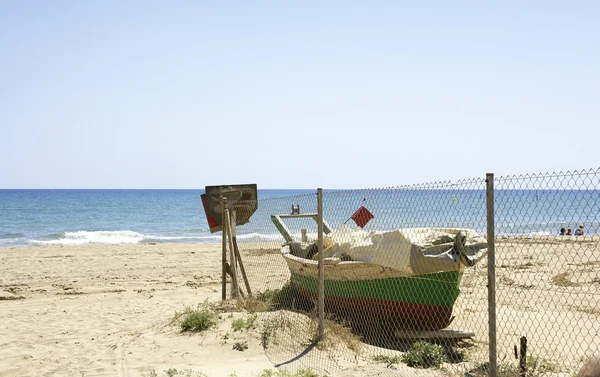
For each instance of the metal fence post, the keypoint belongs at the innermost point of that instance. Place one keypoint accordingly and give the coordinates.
(489, 179)
(224, 253)
(321, 307)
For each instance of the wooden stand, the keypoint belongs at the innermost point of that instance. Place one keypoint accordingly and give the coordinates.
(235, 258)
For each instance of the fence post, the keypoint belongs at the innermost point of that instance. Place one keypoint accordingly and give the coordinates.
(224, 252)
(489, 179)
(523, 357)
(232, 260)
(321, 307)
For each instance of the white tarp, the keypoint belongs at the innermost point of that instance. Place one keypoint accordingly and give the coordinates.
(413, 250)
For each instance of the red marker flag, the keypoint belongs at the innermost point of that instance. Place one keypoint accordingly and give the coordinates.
(212, 223)
(362, 216)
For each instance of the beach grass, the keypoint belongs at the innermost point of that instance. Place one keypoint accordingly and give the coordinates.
(196, 320)
(241, 324)
(424, 355)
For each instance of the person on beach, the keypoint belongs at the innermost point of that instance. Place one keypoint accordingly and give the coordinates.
(569, 232)
(562, 231)
(579, 231)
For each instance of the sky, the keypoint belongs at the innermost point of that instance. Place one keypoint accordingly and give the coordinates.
(294, 94)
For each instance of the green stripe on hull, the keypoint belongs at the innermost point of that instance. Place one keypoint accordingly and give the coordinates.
(439, 289)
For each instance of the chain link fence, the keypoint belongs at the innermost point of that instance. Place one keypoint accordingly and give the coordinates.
(548, 284)
(406, 277)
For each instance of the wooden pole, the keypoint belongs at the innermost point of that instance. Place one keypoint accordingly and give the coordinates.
(493, 369)
(321, 292)
(523, 357)
(223, 255)
(232, 262)
(238, 256)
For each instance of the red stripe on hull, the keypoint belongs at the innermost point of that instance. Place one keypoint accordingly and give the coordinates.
(401, 314)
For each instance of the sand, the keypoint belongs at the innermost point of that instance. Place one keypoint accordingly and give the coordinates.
(103, 310)
(107, 310)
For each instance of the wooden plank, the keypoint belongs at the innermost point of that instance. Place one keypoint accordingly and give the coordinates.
(234, 283)
(276, 219)
(439, 334)
(304, 215)
(238, 256)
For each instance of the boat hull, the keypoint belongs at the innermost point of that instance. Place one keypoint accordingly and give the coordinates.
(422, 302)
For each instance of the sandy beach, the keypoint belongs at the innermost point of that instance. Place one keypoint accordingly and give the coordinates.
(104, 310)
(107, 310)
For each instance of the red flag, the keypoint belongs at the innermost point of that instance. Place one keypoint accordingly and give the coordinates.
(212, 223)
(362, 216)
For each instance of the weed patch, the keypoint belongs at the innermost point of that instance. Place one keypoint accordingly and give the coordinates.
(389, 361)
(536, 367)
(424, 355)
(196, 320)
(240, 346)
(541, 365)
(172, 372)
(288, 297)
(285, 373)
(241, 324)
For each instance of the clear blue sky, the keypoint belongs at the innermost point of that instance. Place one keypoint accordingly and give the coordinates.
(183, 94)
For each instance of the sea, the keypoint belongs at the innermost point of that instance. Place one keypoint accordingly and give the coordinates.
(75, 217)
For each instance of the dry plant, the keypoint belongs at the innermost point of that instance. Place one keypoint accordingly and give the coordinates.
(389, 361)
(172, 372)
(195, 320)
(535, 367)
(562, 280)
(335, 333)
(586, 310)
(273, 326)
(287, 297)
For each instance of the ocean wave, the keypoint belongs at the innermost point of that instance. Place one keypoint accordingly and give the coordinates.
(131, 237)
(11, 241)
(85, 237)
(55, 236)
(197, 230)
(150, 238)
(259, 236)
(537, 234)
(523, 234)
(5, 236)
(216, 237)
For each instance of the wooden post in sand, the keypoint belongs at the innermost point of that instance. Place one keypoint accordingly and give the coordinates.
(238, 256)
(321, 292)
(493, 369)
(223, 255)
(523, 357)
(232, 261)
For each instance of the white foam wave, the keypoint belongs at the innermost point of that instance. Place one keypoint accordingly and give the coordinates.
(259, 236)
(174, 238)
(249, 236)
(102, 237)
(131, 237)
(10, 241)
(538, 234)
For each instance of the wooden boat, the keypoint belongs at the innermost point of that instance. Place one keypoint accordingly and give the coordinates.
(409, 277)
